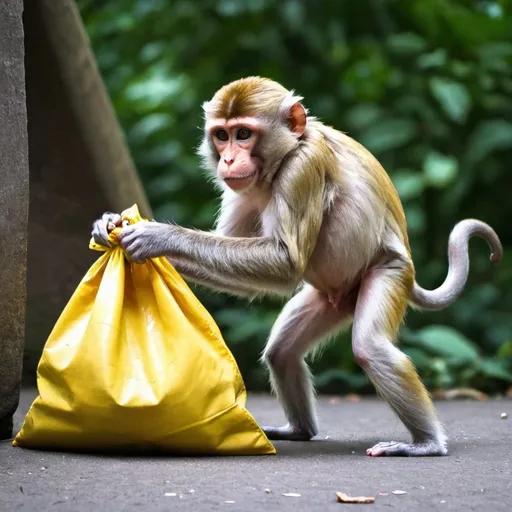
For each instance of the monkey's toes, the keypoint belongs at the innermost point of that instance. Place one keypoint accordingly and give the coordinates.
(286, 433)
(386, 448)
(427, 449)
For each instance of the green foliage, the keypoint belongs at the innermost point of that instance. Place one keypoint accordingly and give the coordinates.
(453, 97)
(425, 84)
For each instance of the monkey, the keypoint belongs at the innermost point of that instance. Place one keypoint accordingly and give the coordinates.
(310, 214)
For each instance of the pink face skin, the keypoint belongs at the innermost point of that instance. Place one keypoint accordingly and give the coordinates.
(235, 140)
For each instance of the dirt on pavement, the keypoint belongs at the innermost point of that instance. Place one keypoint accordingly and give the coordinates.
(476, 475)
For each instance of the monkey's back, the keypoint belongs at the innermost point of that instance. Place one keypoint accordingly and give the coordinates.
(365, 215)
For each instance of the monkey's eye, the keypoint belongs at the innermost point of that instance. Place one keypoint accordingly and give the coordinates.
(243, 134)
(222, 135)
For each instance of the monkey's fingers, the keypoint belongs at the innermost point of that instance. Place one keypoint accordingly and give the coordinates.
(102, 227)
(133, 243)
(111, 220)
(100, 234)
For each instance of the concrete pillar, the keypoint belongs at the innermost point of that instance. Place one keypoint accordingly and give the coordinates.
(14, 201)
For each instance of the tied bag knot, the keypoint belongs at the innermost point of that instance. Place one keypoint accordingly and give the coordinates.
(128, 218)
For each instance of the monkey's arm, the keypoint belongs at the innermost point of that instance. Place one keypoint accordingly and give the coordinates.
(238, 217)
(199, 275)
(256, 262)
(275, 263)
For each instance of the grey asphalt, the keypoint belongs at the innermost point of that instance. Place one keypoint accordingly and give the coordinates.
(477, 474)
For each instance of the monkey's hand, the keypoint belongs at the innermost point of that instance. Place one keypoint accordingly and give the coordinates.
(102, 227)
(146, 240)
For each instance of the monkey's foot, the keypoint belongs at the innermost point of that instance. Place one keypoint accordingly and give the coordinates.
(425, 449)
(287, 433)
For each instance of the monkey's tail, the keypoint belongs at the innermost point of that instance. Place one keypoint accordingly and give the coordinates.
(458, 265)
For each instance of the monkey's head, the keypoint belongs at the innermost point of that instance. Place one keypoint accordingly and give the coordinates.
(250, 126)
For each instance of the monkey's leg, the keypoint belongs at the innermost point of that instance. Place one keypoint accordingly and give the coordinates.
(381, 305)
(305, 320)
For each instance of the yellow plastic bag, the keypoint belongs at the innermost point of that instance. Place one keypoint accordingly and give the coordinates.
(136, 362)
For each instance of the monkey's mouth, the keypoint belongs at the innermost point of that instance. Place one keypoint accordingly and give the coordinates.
(240, 182)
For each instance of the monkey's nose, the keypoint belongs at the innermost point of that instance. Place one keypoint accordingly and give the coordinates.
(228, 161)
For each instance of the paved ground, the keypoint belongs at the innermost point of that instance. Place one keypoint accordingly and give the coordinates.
(477, 475)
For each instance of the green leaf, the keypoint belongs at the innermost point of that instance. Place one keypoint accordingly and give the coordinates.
(389, 134)
(440, 170)
(406, 43)
(434, 59)
(462, 69)
(495, 50)
(409, 183)
(453, 97)
(497, 102)
(443, 377)
(360, 116)
(489, 136)
(155, 88)
(415, 217)
(149, 125)
(352, 380)
(495, 369)
(421, 359)
(339, 52)
(470, 28)
(162, 154)
(165, 184)
(447, 342)
(293, 11)
(243, 325)
(229, 8)
(505, 351)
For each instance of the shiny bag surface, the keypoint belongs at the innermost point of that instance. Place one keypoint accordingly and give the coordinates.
(136, 362)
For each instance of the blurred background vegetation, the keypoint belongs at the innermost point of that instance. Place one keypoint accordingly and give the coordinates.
(426, 85)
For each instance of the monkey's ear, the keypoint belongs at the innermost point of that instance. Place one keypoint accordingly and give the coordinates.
(297, 119)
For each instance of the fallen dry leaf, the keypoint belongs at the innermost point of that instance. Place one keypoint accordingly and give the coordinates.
(504, 416)
(383, 493)
(454, 394)
(352, 398)
(291, 494)
(267, 491)
(399, 492)
(343, 498)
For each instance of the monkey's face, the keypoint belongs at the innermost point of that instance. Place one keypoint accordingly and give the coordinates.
(235, 140)
(250, 126)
